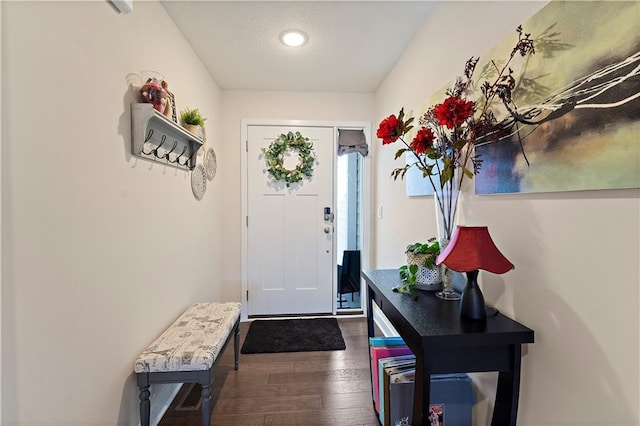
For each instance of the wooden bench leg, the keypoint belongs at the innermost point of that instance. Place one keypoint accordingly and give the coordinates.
(206, 404)
(236, 346)
(145, 405)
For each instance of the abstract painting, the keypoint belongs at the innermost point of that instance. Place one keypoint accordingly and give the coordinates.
(579, 96)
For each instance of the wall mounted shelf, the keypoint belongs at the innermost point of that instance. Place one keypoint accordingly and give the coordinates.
(157, 138)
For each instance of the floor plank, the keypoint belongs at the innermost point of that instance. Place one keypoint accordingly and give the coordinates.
(297, 388)
(337, 417)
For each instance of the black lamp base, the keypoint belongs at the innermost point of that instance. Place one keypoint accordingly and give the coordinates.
(472, 301)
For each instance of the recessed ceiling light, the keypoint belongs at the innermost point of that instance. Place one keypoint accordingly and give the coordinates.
(293, 38)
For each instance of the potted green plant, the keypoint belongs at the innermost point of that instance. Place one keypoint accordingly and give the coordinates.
(423, 254)
(423, 257)
(192, 120)
(421, 272)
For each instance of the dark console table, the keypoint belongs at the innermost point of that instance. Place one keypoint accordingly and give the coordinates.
(443, 342)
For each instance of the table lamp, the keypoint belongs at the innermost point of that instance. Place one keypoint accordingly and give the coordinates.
(471, 248)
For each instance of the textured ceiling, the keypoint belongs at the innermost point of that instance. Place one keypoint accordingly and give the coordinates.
(352, 45)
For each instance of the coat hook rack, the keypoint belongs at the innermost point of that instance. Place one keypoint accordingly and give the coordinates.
(190, 159)
(150, 127)
(147, 139)
(179, 156)
(162, 141)
(149, 135)
(166, 155)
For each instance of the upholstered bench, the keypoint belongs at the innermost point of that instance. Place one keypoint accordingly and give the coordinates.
(187, 351)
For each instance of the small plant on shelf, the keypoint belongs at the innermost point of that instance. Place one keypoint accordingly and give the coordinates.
(192, 116)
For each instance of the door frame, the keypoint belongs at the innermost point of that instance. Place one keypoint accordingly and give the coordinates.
(366, 197)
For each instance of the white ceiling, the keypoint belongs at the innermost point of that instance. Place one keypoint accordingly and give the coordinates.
(352, 44)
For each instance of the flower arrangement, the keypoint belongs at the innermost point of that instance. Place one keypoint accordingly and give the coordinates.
(444, 142)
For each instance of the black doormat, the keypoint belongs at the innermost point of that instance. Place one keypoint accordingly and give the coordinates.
(293, 335)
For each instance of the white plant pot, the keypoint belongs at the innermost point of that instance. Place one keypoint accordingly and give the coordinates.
(193, 129)
(426, 279)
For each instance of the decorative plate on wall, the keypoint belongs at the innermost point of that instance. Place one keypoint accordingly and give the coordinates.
(198, 181)
(210, 163)
(202, 134)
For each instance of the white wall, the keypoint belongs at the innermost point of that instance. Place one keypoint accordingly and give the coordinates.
(101, 251)
(576, 253)
(265, 105)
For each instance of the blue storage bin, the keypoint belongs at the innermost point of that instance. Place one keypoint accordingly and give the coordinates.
(455, 393)
(451, 397)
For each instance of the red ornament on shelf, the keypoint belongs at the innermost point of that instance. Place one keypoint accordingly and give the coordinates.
(153, 93)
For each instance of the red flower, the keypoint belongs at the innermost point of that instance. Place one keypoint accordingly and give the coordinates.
(423, 141)
(453, 111)
(390, 129)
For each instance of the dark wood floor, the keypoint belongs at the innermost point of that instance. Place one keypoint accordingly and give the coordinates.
(300, 388)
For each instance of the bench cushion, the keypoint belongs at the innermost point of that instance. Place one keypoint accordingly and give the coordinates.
(193, 341)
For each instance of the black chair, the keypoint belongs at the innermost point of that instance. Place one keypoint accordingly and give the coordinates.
(349, 274)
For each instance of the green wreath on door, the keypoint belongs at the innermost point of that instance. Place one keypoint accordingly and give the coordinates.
(274, 156)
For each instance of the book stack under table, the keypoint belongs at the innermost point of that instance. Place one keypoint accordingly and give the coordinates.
(393, 374)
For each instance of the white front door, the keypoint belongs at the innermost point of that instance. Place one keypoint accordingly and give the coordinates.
(289, 242)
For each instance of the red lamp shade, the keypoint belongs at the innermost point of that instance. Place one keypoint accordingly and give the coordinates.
(472, 248)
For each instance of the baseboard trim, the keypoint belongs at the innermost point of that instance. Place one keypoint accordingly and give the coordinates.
(162, 395)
